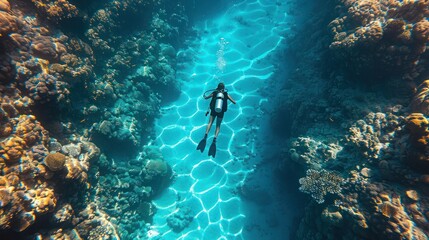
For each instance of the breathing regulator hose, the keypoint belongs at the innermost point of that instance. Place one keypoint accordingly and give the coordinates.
(205, 93)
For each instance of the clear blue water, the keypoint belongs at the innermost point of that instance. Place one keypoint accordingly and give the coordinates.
(235, 47)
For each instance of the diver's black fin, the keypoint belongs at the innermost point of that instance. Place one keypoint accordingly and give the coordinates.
(202, 145)
(212, 150)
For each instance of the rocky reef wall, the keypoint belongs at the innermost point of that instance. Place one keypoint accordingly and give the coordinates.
(356, 123)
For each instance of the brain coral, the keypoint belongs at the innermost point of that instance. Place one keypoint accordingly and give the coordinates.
(55, 161)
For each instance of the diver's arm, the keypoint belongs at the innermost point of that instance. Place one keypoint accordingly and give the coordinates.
(232, 100)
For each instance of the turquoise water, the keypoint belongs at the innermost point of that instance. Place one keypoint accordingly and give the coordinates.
(236, 48)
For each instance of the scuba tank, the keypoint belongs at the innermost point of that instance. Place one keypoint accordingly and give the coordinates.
(219, 102)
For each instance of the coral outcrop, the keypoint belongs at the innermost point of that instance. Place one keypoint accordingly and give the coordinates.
(180, 219)
(420, 102)
(27, 187)
(320, 183)
(417, 152)
(56, 10)
(55, 161)
(388, 34)
(125, 189)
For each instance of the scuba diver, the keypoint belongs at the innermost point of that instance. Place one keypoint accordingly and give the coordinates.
(218, 106)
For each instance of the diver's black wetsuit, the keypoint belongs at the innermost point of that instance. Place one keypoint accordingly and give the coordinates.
(224, 105)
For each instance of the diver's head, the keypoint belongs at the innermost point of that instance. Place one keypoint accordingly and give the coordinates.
(220, 87)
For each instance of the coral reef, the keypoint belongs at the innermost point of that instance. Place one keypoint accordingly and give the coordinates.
(56, 10)
(373, 46)
(389, 35)
(125, 188)
(320, 183)
(28, 187)
(64, 94)
(180, 219)
(373, 133)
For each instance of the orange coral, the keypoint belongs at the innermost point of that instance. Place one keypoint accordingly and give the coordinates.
(7, 23)
(420, 102)
(30, 130)
(4, 5)
(417, 123)
(5, 129)
(12, 149)
(44, 47)
(56, 10)
(45, 201)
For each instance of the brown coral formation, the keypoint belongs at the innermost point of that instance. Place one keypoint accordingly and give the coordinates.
(57, 10)
(389, 32)
(55, 161)
(420, 102)
(373, 133)
(27, 189)
(417, 154)
(45, 68)
(7, 23)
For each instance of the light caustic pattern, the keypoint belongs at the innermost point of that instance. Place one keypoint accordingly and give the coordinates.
(247, 33)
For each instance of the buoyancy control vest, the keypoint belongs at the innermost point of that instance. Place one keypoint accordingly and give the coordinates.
(219, 102)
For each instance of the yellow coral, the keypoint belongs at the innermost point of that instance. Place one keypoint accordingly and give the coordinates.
(12, 149)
